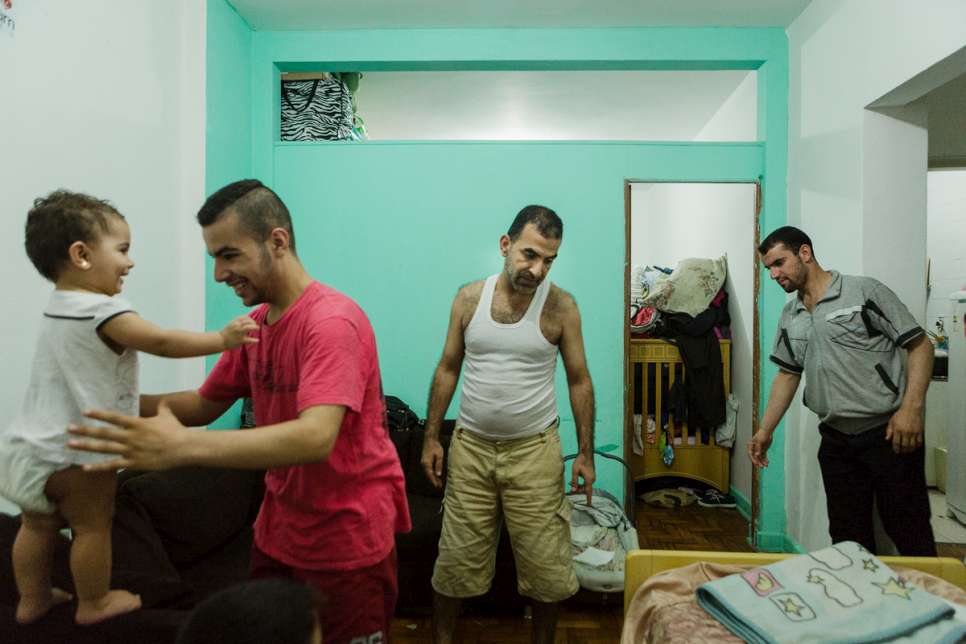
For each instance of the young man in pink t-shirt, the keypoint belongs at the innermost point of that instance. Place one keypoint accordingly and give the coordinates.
(335, 493)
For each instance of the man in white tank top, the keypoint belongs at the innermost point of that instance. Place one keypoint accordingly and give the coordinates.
(504, 460)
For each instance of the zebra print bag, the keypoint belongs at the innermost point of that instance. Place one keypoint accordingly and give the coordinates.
(316, 110)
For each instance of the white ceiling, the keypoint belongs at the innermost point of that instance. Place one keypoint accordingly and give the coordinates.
(286, 15)
(565, 105)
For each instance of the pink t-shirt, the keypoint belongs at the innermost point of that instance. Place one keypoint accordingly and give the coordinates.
(341, 513)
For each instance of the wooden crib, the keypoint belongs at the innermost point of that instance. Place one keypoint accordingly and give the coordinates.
(654, 366)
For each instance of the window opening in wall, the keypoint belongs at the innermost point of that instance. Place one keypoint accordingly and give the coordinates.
(520, 105)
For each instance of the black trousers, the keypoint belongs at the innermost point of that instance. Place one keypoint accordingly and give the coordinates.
(859, 468)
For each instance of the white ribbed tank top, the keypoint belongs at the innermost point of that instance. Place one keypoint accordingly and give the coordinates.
(508, 371)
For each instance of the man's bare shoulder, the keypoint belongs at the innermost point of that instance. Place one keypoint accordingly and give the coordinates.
(468, 296)
(470, 290)
(560, 302)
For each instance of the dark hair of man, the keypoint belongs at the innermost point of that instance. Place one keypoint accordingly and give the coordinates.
(547, 222)
(264, 611)
(789, 236)
(258, 207)
(60, 219)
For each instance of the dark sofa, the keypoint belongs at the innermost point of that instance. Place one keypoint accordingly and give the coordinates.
(177, 537)
(181, 534)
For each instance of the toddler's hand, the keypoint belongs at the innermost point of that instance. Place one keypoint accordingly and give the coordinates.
(236, 332)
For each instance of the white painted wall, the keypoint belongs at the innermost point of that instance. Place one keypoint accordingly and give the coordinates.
(550, 105)
(736, 119)
(895, 154)
(108, 98)
(857, 180)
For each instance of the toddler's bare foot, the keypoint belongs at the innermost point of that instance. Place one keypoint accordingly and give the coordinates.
(31, 609)
(114, 603)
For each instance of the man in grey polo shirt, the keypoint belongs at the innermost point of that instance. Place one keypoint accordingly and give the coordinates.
(845, 333)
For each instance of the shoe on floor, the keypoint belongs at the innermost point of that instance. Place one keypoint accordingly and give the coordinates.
(668, 498)
(714, 499)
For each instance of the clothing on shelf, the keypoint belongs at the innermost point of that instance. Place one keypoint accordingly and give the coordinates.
(644, 319)
(316, 110)
(689, 300)
(643, 278)
(639, 432)
(725, 434)
(678, 401)
(691, 287)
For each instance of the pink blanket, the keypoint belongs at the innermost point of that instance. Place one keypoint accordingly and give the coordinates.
(664, 608)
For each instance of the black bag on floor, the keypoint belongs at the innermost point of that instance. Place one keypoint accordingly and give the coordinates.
(399, 417)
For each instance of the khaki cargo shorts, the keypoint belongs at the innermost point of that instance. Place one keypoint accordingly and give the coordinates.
(521, 482)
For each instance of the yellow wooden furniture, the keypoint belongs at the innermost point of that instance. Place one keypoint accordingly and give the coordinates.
(641, 564)
(660, 366)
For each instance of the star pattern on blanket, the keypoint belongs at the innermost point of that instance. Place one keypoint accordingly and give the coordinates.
(791, 607)
(870, 565)
(895, 586)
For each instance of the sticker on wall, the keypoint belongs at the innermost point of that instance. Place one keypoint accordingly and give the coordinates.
(7, 21)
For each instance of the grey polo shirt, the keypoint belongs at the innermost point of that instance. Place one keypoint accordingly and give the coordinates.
(848, 346)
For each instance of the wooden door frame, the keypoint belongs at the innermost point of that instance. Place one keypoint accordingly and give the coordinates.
(756, 373)
(630, 498)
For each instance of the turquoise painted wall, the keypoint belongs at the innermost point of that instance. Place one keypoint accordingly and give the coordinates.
(773, 129)
(228, 135)
(399, 226)
(228, 123)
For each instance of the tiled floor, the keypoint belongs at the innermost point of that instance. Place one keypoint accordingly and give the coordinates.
(946, 529)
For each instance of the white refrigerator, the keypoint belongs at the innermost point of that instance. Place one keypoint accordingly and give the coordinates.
(956, 411)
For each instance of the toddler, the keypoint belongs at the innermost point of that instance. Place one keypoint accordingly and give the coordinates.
(86, 358)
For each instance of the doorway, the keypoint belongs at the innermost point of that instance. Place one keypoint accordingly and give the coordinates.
(717, 225)
(945, 448)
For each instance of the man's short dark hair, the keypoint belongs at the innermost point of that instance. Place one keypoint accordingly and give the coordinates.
(789, 236)
(264, 611)
(259, 209)
(547, 222)
(60, 219)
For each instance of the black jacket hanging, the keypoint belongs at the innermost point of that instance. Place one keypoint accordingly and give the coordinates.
(703, 381)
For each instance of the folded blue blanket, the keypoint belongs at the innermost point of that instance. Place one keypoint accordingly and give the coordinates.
(840, 594)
